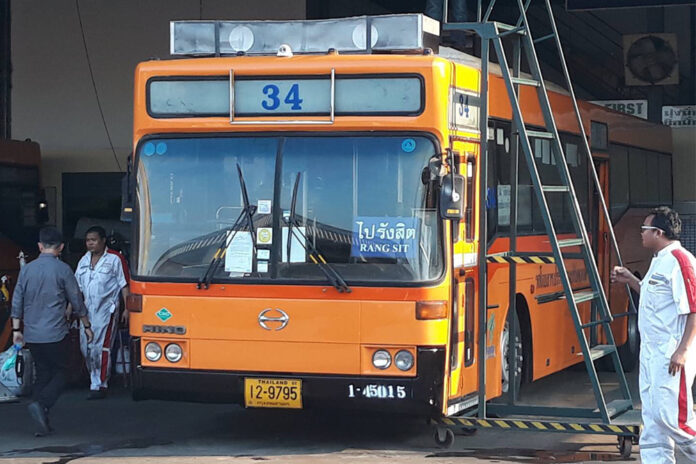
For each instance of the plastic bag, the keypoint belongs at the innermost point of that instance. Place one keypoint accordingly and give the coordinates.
(16, 370)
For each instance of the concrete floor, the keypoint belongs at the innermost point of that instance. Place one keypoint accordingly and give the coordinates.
(118, 430)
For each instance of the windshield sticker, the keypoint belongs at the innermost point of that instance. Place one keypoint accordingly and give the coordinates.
(264, 207)
(264, 236)
(385, 237)
(240, 253)
(504, 192)
(149, 149)
(262, 266)
(161, 148)
(408, 145)
(263, 254)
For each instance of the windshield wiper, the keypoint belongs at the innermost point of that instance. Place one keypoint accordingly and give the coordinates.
(247, 213)
(314, 254)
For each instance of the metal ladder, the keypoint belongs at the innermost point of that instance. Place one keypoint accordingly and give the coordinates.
(492, 32)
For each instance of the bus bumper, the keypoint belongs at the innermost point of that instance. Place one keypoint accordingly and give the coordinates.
(423, 393)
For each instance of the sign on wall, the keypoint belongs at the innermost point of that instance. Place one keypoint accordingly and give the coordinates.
(638, 108)
(679, 116)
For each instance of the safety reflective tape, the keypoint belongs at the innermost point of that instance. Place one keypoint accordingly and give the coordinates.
(521, 259)
(605, 429)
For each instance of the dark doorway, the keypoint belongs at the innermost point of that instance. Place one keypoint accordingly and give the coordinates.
(92, 198)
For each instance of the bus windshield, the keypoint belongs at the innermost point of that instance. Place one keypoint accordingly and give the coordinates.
(365, 204)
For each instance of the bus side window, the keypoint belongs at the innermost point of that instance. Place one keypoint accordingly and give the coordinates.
(470, 207)
(470, 313)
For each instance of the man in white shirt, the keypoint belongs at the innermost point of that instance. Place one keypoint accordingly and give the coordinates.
(667, 325)
(101, 280)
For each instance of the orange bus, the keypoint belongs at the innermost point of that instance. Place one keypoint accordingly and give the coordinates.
(289, 248)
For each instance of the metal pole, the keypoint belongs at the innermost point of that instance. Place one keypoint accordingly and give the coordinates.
(489, 10)
(5, 71)
(512, 286)
(483, 229)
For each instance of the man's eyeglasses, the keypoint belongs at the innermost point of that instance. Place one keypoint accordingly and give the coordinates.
(644, 228)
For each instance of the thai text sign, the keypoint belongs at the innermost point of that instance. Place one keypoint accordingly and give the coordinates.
(385, 237)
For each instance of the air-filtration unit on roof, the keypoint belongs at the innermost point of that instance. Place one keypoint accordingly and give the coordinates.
(407, 33)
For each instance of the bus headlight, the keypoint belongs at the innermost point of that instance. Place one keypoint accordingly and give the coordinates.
(173, 353)
(381, 359)
(403, 360)
(153, 352)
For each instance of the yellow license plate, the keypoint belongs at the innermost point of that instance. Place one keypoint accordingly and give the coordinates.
(273, 393)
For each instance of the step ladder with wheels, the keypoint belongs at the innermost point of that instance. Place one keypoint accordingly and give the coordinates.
(606, 417)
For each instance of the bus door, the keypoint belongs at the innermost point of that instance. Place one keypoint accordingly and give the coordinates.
(599, 233)
(462, 378)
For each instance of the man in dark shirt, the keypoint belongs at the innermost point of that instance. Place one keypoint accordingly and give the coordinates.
(43, 290)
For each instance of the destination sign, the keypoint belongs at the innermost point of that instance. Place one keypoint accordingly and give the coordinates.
(200, 97)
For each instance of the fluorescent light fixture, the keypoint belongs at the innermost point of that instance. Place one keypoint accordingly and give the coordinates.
(405, 33)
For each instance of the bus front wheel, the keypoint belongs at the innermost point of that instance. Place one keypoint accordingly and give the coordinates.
(505, 350)
(629, 351)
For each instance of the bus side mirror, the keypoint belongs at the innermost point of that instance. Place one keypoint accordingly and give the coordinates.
(127, 189)
(452, 197)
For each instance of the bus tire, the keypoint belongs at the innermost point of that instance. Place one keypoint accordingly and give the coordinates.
(630, 351)
(504, 346)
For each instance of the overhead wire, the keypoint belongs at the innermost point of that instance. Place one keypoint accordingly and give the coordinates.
(94, 85)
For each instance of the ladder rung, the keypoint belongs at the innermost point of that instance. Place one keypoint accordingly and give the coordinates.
(593, 323)
(524, 81)
(539, 134)
(510, 28)
(600, 351)
(546, 37)
(549, 297)
(555, 188)
(616, 407)
(571, 242)
(583, 296)
(549, 254)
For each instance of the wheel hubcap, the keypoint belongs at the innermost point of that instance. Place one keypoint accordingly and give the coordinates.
(505, 349)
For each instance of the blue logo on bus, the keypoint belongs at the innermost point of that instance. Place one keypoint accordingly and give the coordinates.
(408, 145)
(163, 314)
